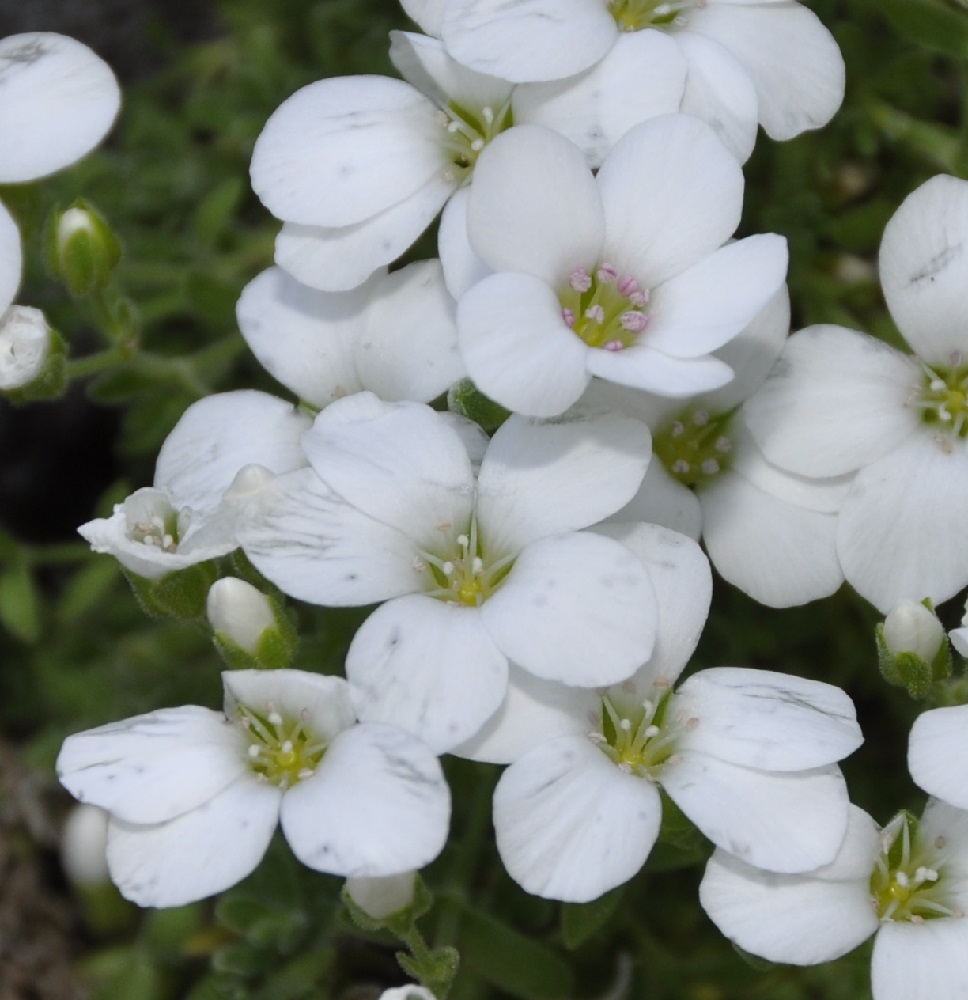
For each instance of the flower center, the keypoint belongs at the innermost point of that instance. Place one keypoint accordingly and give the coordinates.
(637, 738)
(634, 15)
(695, 447)
(943, 399)
(464, 575)
(905, 886)
(468, 131)
(158, 529)
(605, 309)
(281, 750)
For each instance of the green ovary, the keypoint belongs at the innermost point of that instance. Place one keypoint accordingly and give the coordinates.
(464, 575)
(943, 400)
(638, 739)
(634, 15)
(280, 749)
(695, 447)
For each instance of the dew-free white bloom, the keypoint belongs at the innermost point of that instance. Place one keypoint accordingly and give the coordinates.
(959, 636)
(840, 401)
(475, 570)
(622, 275)
(936, 753)
(195, 795)
(395, 335)
(222, 450)
(905, 884)
(25, 340)
(747, 755)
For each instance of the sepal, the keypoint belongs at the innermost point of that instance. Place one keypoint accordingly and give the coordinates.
(179, 594)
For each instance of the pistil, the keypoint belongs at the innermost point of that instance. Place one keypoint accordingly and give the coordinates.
(640, 739)
(281, 750)
(606, 309)
(464, 575)
(695, 447)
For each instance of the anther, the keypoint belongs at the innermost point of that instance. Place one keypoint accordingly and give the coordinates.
(607, 274)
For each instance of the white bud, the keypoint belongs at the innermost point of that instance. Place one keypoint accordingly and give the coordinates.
(84, 845)
(912, 628)
(238, 611)
(24, 344)
(379, 897)
(407, 993)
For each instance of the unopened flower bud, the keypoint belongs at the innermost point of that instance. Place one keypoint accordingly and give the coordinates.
(84, 846)
(912, 648)
(380, 897)
(31, 355)
(251, 630)
(82, 250)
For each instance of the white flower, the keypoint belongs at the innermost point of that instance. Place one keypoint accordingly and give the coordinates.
(475, 571)
(196, 795)
(222, 449)
(622, 275)
(936, 753)
(906, 885)
(959, 636)
(395, 335)
(24, 346)
(840, 401)
(407, 993)
(357, 167)
(747, 755)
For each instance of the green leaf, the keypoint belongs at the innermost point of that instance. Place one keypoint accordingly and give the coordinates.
(580, 921)
(87, 588)
(512, 962)
(20, 602)
(213, 215)
(930, 23)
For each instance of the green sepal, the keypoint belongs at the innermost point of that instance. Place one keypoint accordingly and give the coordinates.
(466, 400)
(399, 923)
(180, 594)
(51, 380)
(85, 259)
(910, 671)
(581, 921)
(435, 970)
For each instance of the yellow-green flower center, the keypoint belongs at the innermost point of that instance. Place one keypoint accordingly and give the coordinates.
(634, 15)
(281, 750)
(943, 400)
(695, 447)
(603, 307)
(468, 132)
(463, 574)
(637, 737)
(159, 530)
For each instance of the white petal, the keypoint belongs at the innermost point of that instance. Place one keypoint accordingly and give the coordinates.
(11, 259)
(570, 825)
(317, 548)
(218, 436)
(683, 584)
(517, 348)
(197, 854)
(340, 258)
(642, 76)
(903, 529)
(836, 400)
(938, 745)
(528, 39)
(527, 484)
(921, 960)
(780, 822)
(154, 767)
(534, 206)
(767, 720)
(672, 194)
(377, 805)
(428, 14)
(59, 100)
(399, 463)
(719, 91)
(923, 267)
(576, 608)
(792, 59)
(778, 553)
(663, 500)
(429, 667)
(702, 308)
(652, 371)
(341, 150)
(462, 267)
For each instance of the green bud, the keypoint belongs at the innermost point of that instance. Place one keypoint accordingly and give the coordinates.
(82, 250)
(32, 356)
(912, 648)
(250, 630)
(466, 400)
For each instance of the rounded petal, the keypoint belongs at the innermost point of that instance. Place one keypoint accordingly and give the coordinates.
(377, 805)
(526, 486)
(462, 267)
(792, 59)
(576, 608)
(154, 767)
(428, 14)
(920, 959)
(780, 822)
(570, 825)
(341, 150)
(652, 371)
(642, 76)
(530, 39)
(11, 259)
(199, 853)
(399, 463)
(663, 500)
(903, 530)
(939, 739)
(534, 206)
(59, 100)
(924, 268)
(835, 400)
(517, 348)
(672, 194)
(429, 667)
(767, 720)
